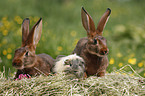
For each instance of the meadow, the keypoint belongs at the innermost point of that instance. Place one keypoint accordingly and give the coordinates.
(62, 28)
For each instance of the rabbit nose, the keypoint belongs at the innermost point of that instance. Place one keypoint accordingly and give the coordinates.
(104, 52)
(17, 63)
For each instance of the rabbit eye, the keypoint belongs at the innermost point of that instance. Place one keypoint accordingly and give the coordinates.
(95, 41)
(26, 53)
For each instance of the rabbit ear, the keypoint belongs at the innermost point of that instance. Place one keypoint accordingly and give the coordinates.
(25, 30)
(103, 21)
(88, 23)
(35, 34)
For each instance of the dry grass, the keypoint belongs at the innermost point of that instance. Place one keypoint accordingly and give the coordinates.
(113, 84)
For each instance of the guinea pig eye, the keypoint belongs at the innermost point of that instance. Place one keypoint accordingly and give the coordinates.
(26, 54)
(95, 41)
(83, 62)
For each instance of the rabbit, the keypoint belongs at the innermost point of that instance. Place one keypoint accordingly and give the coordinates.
(25, 60)
(71, 64)
(93, 48)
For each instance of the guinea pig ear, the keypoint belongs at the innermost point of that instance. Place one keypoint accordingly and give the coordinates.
(88, 23)
(103, 21)
(25, 31)
(35, 34)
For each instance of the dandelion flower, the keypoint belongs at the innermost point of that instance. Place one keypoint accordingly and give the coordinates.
(73, 33)
(59, 48)
(4, 52)
(9, 50)
(123, 73)
(117, 72)
(131, 74)
(132, 61)
(5, 32)
(120, 64)
(112, 61)
(140, 64)
(119, 55)
(4, 18)
(18, 19)
(7, 24)
(9, 56)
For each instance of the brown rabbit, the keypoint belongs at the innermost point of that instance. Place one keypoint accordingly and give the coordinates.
(25, 59)
(93, 48)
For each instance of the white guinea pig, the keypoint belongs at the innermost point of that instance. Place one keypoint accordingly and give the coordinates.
(71, 64)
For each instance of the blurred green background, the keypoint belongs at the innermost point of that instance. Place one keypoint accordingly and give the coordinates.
(62, 28)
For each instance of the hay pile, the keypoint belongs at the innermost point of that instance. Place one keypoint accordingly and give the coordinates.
(112, 84)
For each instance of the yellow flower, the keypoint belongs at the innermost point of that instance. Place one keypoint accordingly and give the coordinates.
(18, 19)
(117, 72)
(140, 64)
(144, 74)
(120, 64)
(131, 74)
(132, 61)
(4, 52)
(123, 73)
(112, 61)
(9, 50)
(9, 56)
(119, 55)
(59, 48)
(7, 24)
(73, 33)
(4, 18)
(5, 32)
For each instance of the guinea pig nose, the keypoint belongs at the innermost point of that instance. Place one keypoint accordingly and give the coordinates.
(75, 66)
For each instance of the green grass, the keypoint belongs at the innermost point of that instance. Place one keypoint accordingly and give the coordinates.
(62, 28)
